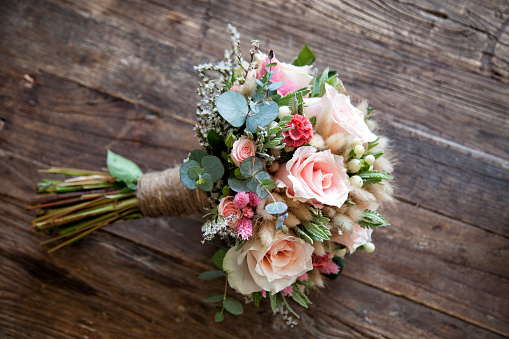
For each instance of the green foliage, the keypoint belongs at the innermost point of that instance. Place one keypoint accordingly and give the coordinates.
(201, 171)
(300, 298)
(218, 317)
(271, 137)
(209, 275)
(213, 299)
(371, 219)
(314, 229)
(285, 101)
(216, 143)
(373, 177)
(305, 57)
(374, 143)
(235, 109)
(123, 170)
(233, 306)
(218, 257)
(257, 296)
(327, 77)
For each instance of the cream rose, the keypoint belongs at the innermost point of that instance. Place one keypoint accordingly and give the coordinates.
(254, 268)
(242, 149)
(319, 177)
(228, 210)
(358, 237)
(345, 117)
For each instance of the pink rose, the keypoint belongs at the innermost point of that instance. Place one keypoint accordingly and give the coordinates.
(242, 149)
(358, 237)
(294, 77)
(228, 210)
(254, 267)
(346, 118)
(319, 177)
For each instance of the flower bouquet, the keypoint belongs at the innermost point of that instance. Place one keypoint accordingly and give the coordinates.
(290, 172)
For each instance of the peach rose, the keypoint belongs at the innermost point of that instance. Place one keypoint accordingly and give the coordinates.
(319, 177)
(358, 237)
(346, 118)
(294, 77)
(228, 210)
(242, 149)
(254, 268)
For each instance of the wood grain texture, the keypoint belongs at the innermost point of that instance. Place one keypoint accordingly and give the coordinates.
(77, 78)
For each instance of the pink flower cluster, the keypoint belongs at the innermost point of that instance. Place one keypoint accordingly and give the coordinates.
(325, 264)
(238, 211)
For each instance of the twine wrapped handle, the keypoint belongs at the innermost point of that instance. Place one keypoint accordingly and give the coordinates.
(162, 194)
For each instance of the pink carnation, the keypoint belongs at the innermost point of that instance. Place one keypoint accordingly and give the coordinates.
(247, 212)
(287, 291)
(320, 261)
(241, 200)
(300, 134)
(245, 228)
(254, 199)
(330, 268)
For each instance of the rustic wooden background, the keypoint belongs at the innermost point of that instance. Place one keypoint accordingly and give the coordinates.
(80, 77)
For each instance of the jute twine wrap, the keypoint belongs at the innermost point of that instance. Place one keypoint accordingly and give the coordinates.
(162, 194)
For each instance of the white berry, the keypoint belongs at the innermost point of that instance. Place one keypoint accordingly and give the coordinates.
(354, 166)
(359, 149)
(356, 141)
(284, 110)
(369, 247)
(370, 159)
(356, 181)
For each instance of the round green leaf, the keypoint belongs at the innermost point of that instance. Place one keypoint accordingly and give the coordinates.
(261, 192)
(194, 172)
(250, 167)
(232, 106)
(233, 306)
(252, 184)
(208, 182)
(237, 185)
(268, 184)
(184, 177)
(213, 166)
(268, 111)
(197, 154)
(276, 207)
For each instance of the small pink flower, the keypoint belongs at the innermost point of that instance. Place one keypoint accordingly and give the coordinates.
(353, 239)
(303, 277)
(264, 293)
(254, 200)
(247, 212)
(300, 134)
(241, 200)
(287, 291)
(330, 268)
(242, 149)
(228, 210)
(245, 228)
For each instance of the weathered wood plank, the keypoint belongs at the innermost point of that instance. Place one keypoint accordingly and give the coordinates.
(418, 77)
(109, 287)
(433, 171)
(97, 119)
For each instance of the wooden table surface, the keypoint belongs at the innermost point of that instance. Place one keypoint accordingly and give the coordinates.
(80, 77)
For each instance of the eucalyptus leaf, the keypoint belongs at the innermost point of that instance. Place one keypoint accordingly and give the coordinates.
(218, 317)
(197, 154)
(123, 169)
(233, 306)
(208, 183)
(250, 166)
(218, 257)
(233, 107)
(261, 192)
(275, 85)
(184, 169)
(237, 185)
(194, 172)
(268, 111)
(212, 165)
(276, 207)
(252, 184)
